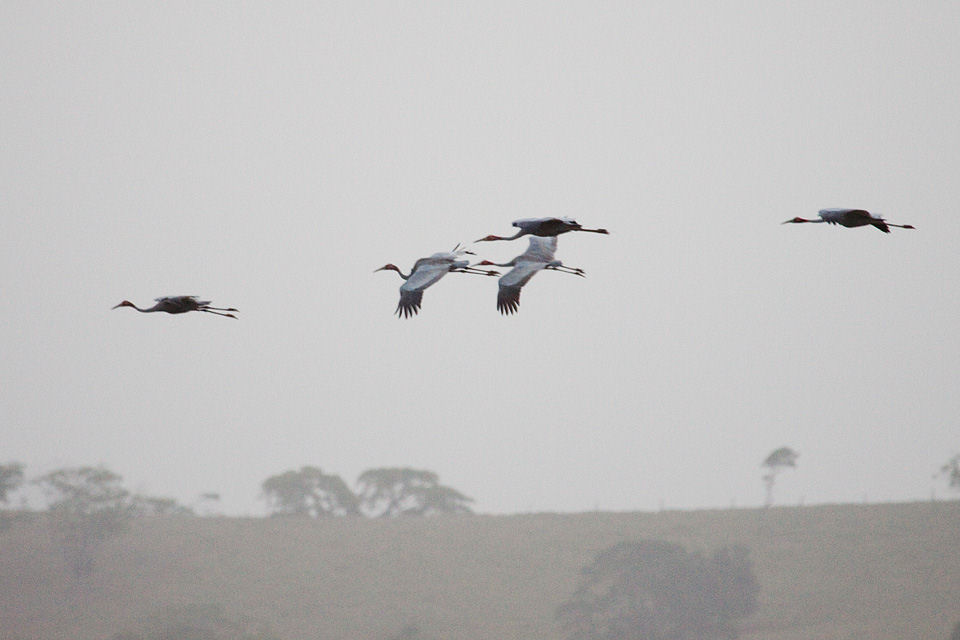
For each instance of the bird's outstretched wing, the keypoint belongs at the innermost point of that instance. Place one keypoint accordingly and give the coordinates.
(182, 300)
(864, 217)
(861, 217)
(508, 300)
(526, 223)
(425, 273)
(409, 304)
(177, 304)
(508, 296)
(832, 216)
(540, 249)
(853, 218)
(546, 226)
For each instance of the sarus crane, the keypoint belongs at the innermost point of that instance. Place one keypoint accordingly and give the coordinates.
(427, 271)
(181, 304)
(538, 256)
(543, 227)
(852, 218)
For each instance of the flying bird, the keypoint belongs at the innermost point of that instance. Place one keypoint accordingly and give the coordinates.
(544, 227)
(427, 271)
(537, 257)
(180, 304)
(852, 218)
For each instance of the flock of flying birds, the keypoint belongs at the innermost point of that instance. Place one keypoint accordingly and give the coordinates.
(539, 256)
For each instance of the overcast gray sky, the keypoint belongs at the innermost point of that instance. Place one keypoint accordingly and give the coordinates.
(269, 156)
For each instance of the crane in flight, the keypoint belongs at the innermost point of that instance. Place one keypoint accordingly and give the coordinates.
(537, 257)
(543, 227)
(181, 304)
(852, 218)
(427, 271)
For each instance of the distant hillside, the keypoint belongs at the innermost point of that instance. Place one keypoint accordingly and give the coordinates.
(877, 572)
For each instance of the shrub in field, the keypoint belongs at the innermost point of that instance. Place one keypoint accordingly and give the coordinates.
(195, 622)
(655, 590)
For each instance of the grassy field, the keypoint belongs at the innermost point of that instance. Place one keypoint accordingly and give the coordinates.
(872, 572)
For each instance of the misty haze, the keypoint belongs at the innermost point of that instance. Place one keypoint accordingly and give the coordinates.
(705, 423)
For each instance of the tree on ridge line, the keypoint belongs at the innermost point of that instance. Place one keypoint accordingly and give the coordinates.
(309, 492)
(777, 461)
(382, 492)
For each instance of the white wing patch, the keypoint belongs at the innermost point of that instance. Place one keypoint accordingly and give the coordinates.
(541, 249)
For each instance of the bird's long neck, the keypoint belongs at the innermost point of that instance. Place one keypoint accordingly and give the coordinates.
(402, 275)
(127, 303)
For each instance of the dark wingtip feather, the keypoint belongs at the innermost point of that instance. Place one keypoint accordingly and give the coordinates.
(507, 302)
(409, 304)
